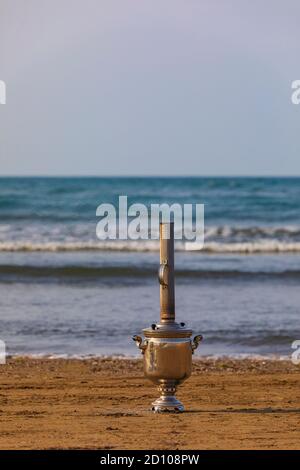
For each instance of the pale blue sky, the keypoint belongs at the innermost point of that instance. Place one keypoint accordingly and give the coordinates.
(149, 87)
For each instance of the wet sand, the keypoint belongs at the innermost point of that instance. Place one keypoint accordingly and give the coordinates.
(104, 404)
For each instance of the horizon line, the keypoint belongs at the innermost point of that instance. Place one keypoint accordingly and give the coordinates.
(146, 176)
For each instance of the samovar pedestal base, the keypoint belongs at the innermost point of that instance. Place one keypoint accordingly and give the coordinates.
(167, 402)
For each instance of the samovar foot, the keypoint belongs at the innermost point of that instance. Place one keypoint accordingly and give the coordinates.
(167, 402)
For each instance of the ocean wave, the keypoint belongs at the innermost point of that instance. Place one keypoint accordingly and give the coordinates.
(248, 247)
(262, 246)
(95, 272)
(227, 231)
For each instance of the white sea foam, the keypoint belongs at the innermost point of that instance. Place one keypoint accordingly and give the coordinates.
(263, 246)
(259, 246)
(81, 357)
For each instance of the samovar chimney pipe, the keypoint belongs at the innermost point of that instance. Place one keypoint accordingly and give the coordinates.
(166, 273)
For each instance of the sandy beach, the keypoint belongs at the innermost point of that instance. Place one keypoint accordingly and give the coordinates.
(104, 404)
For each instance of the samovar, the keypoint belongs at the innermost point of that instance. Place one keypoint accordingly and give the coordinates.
(167, 347)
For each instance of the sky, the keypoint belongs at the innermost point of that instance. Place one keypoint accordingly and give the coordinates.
(149, 87)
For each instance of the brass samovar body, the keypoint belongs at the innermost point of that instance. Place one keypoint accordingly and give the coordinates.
(167, 347)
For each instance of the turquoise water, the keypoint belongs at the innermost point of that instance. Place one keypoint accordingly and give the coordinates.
(62, 291)
(60, 212)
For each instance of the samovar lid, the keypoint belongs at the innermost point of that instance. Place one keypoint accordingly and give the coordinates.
(167, 330)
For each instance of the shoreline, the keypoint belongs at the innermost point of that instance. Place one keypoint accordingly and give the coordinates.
(128, 357)
(103, 403)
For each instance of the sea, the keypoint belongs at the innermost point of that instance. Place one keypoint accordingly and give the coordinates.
(64, 292)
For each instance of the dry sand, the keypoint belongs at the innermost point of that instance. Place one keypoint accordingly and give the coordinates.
(104, 404)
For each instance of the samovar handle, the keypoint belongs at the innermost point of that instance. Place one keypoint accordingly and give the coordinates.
(139, 342)
(195, 343)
